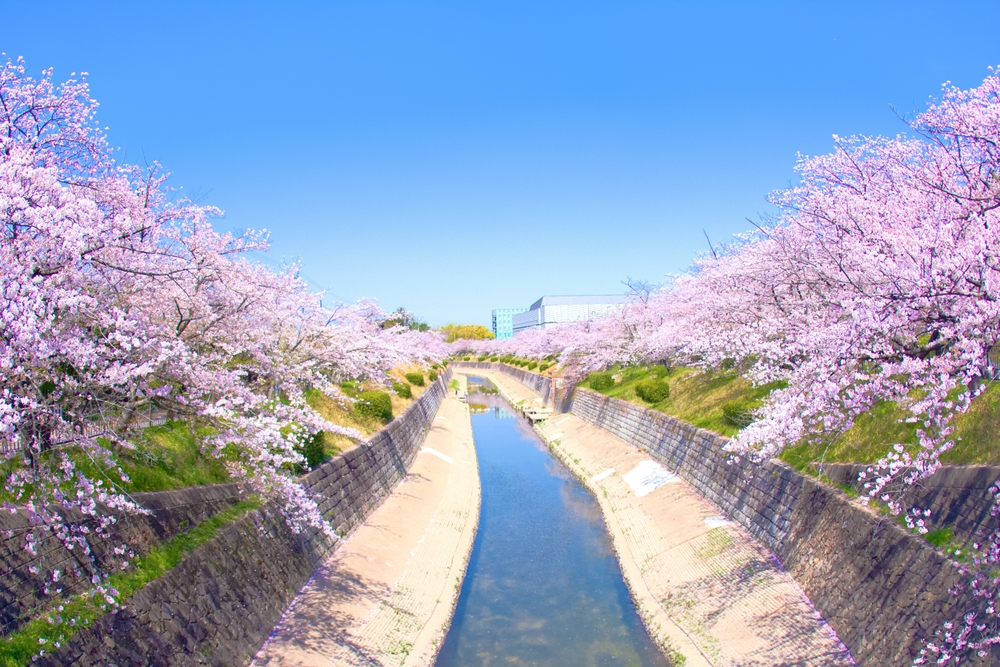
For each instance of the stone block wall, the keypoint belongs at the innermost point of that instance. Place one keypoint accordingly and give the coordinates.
(218, 606)
(21, 591)
(215, 608)
(348, 487)
(880, 588)
(543, 386)
(959, 497)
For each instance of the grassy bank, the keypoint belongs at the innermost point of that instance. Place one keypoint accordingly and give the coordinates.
(345, 414)
(170, 456)
(699, 398)
(720, 401)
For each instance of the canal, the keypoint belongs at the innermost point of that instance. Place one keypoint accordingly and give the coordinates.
(543, 585)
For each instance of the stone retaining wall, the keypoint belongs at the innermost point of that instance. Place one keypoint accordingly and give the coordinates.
(351, 485)
(219, 605)
(543, 386)
(880, 588)
(959, 497)
(21, 590)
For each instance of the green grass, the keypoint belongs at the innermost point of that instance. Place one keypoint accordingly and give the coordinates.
(701, 398)
(695, 397)
(18, 648)
(869, 439)
(939, 537)
(167, 457)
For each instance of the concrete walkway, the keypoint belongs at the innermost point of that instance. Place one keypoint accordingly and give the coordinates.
(704, 587)
(386, 596)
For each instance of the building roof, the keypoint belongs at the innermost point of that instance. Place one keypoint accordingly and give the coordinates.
(578, 300)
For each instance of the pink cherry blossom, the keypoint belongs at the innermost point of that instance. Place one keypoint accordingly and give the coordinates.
(120, 300)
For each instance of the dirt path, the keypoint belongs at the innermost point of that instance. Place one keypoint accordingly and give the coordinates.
(704, 587)
(387, 594)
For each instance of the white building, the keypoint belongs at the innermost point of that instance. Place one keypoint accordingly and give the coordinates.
(551, 310)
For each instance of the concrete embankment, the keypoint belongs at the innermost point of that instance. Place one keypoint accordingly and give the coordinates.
(884, 591)
(706, 589)
(219, 605)
(386, 596)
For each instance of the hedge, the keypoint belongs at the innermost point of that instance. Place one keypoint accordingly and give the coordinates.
(313, 451)
(652, 391)
(601, 381)
(375, 404)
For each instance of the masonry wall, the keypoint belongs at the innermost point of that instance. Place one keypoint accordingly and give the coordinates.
(879, 587)
(545, 387)
(220, 604)
(21, 590)
(351, 485)
(960, 497)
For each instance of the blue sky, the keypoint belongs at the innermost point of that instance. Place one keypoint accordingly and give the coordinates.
(457, 157)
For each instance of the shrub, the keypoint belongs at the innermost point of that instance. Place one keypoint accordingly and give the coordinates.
(739, 413)
(543, 367)
(402, 389)
(416, 379)
(482, 357)
(659, 372)
(493, 358)
(601, 381)
(375, 405)
(652, 391)
(433, 375)
(532, 366)
(312, 450)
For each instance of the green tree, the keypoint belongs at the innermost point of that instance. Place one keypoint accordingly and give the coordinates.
(454, 332)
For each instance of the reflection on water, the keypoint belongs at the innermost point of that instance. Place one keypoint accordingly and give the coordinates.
(478, 385)
(543, 586)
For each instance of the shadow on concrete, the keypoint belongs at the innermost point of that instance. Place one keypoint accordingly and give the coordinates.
(314, 629)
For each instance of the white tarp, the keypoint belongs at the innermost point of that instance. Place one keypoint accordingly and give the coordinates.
(604, 475)
(647, 477)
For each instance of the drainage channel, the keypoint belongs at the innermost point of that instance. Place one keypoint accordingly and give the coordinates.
(543, 585)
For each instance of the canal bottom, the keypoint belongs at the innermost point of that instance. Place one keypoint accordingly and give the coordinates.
(543, 585)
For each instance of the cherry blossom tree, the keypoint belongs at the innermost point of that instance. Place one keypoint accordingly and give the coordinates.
(121, 299)
(877, 281)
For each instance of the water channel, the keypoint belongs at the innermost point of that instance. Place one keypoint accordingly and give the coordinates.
(543, 585)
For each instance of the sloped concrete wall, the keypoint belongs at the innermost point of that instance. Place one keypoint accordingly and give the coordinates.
(21, 590)
(880, 588)
(219, 605)
(543, 386)
(960, 497)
